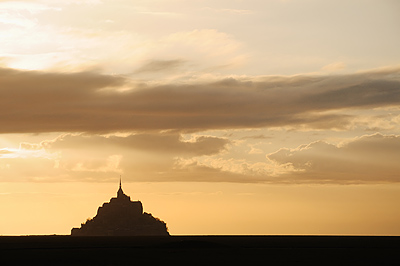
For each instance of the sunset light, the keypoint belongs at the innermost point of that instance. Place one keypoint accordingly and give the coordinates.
(259, 117)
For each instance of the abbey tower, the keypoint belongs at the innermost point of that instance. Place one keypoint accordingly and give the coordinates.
(121, 216)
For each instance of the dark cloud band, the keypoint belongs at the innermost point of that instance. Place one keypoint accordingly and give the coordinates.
(32, 101)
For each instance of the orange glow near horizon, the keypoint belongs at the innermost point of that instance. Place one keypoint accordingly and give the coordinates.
(209, 209)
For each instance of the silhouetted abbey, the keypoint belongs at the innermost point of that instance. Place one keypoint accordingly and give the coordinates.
(122, 217)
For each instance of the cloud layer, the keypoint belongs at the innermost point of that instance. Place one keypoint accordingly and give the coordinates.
(33, 101)
(371, 158)
(168, 157)
(161, 131)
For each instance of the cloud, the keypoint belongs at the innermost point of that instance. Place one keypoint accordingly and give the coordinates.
(34, 101)
(206, 50)
(370, 158)
(5, 151)
(29, 146)
(334, 67)
(167, 157)
(231, 11)
(259, 136)
(166, 143)
(80, 157)
(160, 65)
(243, 170)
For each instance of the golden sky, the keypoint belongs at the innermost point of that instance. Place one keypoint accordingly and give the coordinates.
(223, 117)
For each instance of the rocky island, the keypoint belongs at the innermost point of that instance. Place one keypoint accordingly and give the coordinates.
(122, 217)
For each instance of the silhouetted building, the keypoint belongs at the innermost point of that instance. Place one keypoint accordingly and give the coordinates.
(122, 217)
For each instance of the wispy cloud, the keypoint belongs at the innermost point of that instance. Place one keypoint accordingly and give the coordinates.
(160, 66)
(230, 11)
(336, 66)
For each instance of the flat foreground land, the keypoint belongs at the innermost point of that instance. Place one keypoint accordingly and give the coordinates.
(200, 250)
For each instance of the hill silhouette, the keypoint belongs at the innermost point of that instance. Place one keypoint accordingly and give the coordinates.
(122, 217)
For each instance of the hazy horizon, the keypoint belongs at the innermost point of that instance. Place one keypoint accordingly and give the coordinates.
(223, 117)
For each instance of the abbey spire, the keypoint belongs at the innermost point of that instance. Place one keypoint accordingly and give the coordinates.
(120, 193)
